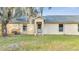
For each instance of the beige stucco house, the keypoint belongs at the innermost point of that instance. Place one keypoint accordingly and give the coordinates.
(47, 25)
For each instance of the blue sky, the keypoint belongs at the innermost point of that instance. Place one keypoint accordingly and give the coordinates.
(61, 11)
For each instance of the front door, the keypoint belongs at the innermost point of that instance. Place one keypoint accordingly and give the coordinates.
(39, 27)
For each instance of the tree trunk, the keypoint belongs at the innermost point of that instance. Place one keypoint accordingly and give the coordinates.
(4, 30)
(4, 24)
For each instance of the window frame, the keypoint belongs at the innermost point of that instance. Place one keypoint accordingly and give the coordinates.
(61, 26)
(24, 29)
(78, 27)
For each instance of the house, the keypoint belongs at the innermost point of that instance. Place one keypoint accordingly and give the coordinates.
(47, 25)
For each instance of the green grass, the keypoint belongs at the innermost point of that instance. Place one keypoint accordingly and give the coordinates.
(39, 43)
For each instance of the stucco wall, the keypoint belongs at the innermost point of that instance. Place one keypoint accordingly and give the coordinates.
(68, 29)
(71, 29)
(30, 28)
(11, 27)
(51, 29)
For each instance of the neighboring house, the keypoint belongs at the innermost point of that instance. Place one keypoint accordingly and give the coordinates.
(56, 24)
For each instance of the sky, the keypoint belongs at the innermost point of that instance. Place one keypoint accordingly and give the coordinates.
(61, 11)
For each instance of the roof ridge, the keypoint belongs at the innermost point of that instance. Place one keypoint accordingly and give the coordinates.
(62, 15)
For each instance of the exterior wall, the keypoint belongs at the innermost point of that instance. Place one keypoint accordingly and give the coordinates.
(30, 28)
(11, 27)
(68, 29)
(71, 29)
(51, 29)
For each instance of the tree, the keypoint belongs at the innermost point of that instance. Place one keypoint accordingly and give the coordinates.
(8, 13)
(31, 13)
(5, 13)
(42, 9)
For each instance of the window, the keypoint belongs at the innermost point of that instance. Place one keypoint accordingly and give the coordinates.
(60, 27)
(24, 27)
(78, 27)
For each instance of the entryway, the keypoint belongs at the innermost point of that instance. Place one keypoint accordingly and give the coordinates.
(39, 27)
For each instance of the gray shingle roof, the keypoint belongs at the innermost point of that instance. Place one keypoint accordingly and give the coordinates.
(22, 19)
(62, 19)
(53, 19)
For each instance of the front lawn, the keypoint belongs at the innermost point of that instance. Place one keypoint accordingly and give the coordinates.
(39, 43)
